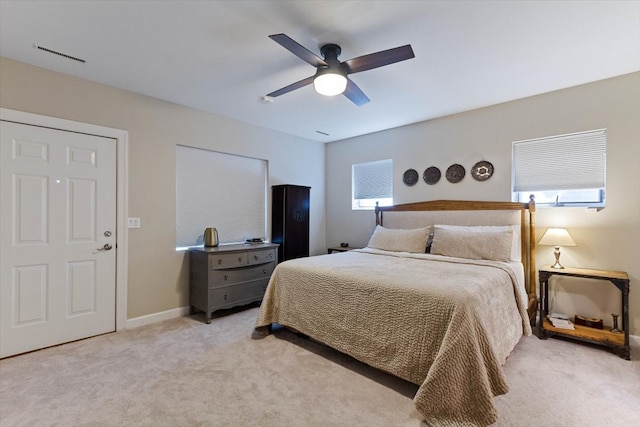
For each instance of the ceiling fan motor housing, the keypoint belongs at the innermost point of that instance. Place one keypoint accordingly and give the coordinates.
(330, 52)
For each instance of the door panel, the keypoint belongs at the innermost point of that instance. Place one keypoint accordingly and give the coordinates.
(57, 279)
(81, 287)
(30, 294)
(30, 211)
(82, 200)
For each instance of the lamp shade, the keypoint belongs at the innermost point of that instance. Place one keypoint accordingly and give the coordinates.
(330, 83)
(557, 237)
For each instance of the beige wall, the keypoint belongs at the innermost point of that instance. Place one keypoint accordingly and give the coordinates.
(158, 275)
(609, 239)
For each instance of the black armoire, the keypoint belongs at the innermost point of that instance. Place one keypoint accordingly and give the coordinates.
(290, 221)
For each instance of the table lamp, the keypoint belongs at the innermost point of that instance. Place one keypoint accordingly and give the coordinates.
(557, 237)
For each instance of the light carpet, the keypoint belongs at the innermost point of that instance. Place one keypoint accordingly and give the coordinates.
(183, 372)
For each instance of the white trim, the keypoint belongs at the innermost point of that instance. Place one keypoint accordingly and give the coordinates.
(122, 166)
(174, 313)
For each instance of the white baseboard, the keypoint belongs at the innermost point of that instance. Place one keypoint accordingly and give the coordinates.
(136, 322)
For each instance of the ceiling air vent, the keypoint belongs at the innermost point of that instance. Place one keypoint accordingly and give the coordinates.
(64, 55)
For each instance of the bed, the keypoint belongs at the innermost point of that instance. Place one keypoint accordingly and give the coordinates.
(440, 297)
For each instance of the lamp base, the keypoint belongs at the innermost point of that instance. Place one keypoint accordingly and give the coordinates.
(557, 265)
(557, 254)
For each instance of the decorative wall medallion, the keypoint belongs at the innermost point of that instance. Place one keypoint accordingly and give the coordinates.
(410, 177)
(431, 175)
(482, 171)
(455, 173)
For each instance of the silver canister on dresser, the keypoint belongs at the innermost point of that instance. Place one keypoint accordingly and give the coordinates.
(210, 237)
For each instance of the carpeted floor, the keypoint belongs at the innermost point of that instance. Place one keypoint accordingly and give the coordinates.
(183, 372)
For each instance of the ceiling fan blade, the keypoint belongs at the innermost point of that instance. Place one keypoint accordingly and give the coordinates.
(355, 94)
(378, 59)
(298, 50)
(293, 86)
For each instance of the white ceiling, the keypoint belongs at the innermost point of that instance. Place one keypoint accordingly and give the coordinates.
(216, 56)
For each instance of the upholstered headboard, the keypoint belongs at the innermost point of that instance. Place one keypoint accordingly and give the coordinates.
(462, 212)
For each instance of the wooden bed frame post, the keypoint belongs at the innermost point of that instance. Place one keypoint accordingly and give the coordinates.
(532, 307)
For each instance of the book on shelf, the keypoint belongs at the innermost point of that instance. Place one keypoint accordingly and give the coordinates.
(561, 323)
(560, 316)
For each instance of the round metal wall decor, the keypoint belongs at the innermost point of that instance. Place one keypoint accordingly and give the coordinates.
(410, 177)
(482, 171)
(455, 173)
(431, 175)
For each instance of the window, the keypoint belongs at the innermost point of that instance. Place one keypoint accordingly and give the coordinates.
(564, 170)
(372, 182)
(219, 190)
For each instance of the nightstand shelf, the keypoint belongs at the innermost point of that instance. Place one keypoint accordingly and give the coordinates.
(596, 336)
(618, 342)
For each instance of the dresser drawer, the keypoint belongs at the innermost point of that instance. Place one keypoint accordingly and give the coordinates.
(218, 278)
(262, 256)
(232, 260)
(242, 293)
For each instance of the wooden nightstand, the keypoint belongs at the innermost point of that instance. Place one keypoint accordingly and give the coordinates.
(618, 342)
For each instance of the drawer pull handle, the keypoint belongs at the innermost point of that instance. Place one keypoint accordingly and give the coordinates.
(225, 297)
(226, 276)
(239, 259)
(219, 261)
(256, 257)
(264, 271)
(271, 255)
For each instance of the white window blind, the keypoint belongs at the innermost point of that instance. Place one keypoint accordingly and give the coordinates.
(219, 190)
(565, 162)
(373, 180)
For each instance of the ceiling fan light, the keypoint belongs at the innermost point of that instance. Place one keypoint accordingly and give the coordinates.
(330, 84)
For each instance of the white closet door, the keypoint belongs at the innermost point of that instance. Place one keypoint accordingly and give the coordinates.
(57, 237)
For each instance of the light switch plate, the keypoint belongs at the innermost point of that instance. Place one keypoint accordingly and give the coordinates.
(133, 223)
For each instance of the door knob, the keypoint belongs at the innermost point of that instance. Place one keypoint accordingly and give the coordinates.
(106, 247)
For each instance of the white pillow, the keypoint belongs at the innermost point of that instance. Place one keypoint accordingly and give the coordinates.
(491, 245)
(516, 249)
(400, 240)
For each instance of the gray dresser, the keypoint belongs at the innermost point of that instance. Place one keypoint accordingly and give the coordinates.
(229, 275)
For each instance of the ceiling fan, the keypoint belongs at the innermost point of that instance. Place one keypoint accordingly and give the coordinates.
(331, 76)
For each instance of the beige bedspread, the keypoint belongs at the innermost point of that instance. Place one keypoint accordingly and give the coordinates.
(446, 326)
